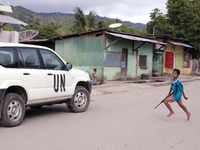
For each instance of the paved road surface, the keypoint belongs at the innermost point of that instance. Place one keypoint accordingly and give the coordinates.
(116, 120)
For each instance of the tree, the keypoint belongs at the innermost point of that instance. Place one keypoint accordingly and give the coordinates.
(7, 28)
(91, 21)
(157, 21)
(184, 15)
(80, 20)
(182, 21)
(47, 31)
(63, 30)
(83, 23)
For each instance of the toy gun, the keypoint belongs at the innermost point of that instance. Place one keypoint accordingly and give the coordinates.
(163, 100)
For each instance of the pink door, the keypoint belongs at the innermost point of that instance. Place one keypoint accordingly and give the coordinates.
(169, 63)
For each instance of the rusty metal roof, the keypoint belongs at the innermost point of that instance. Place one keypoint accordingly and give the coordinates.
(181, 44)
(129, 37)
(35, 40)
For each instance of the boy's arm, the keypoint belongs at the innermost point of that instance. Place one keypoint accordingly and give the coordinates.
(170, 90)
(184, 95)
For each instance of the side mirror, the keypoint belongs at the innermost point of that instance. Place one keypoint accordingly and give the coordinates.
(68, 66)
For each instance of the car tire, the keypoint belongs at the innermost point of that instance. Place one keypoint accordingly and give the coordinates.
(80, 100)
(13, 110)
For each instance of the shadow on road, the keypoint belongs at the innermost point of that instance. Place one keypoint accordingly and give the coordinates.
(45, 111)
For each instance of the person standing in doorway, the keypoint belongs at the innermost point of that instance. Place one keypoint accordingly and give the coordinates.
(94, 75)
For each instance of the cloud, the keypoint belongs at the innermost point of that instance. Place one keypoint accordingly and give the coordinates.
(130, 10)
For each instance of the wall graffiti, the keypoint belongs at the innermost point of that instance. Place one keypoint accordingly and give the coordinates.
(156, 58)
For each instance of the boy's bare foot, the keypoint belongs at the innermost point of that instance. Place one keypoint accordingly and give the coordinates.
(188, 115)
(170, 114)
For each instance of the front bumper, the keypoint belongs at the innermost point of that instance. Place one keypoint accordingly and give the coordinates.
(2, 93)
(89, 83)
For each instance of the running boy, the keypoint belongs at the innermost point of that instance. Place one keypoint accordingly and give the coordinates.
(177, 88)
(94, 74)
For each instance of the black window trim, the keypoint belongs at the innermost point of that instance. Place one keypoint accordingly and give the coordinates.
(40, 58)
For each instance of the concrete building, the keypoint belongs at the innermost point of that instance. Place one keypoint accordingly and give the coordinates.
(8, 36)
(115, 55)
(173, 55)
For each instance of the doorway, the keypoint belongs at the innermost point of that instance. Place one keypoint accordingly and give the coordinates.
(124, 64)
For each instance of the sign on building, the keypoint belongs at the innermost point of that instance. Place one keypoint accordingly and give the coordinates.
(113, 59)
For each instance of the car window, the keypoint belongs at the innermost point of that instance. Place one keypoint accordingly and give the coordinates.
(51, 61)
(7, 57)
(28, 58)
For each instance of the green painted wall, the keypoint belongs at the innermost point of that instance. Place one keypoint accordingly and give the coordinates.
(115, 72)
(87, 53)
(112, 73)
(179, 62)
(146, 49)
(83, 51)
(90, 70)
(157, 63)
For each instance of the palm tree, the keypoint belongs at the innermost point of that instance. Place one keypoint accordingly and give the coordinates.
(83, 23)
(80, 20)
(91, 21)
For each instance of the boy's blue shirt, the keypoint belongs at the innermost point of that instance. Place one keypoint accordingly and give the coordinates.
(177, 87)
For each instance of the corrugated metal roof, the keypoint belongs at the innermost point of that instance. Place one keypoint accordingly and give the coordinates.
(36, 40)
(128, 37)
(181, 44)
(8, 19)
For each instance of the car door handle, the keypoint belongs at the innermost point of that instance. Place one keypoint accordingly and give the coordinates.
(26, 73)
(49, 74)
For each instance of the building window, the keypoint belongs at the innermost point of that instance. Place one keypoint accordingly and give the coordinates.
(143, 61)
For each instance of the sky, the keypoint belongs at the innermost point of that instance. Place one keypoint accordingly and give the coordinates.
(136, 11)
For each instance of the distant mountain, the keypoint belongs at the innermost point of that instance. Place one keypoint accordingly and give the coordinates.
(29, 16)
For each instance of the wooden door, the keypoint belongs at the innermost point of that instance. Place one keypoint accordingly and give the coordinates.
(124, 64)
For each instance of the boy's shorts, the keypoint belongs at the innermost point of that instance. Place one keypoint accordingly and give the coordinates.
(171, 99)
(94, 81)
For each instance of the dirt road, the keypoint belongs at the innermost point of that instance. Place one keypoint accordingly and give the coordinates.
(123, 118)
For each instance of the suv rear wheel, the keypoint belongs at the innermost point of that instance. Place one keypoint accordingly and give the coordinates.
(80, 100)
(13, 110)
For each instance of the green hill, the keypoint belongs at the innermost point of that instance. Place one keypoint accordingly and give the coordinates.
(29, 16)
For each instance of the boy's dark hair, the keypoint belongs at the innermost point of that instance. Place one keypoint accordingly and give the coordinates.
(177, 71)
(95, 69)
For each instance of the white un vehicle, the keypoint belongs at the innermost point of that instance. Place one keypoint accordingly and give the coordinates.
(33, 76)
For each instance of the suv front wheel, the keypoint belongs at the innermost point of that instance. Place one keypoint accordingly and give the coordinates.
(80, 100)
(13, 110)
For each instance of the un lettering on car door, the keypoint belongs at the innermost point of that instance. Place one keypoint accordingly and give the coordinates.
(59, 82)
